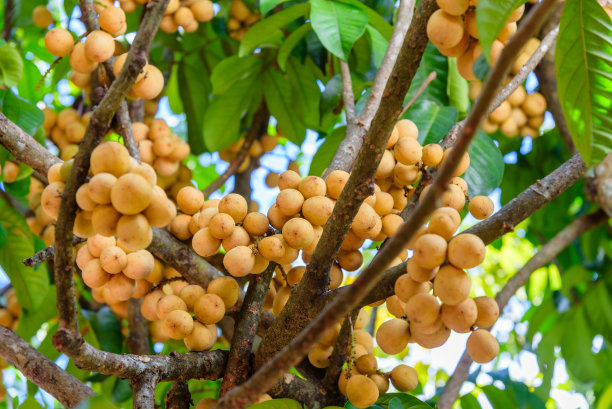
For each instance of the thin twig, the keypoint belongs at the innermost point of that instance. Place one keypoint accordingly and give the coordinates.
(48, 253)
(125, 130)
(432, 76)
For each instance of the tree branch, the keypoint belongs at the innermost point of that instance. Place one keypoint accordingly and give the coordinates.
(347, 93)
(239, 360)
(125, 130)
(138, 330)
(178, 397)
(339, 355)
(48, 253)
(547, 252)
(39, 369)
(143, 390)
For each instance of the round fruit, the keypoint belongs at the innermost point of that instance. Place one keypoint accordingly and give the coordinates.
(319, 356)
(234, 205)
(393, 336)
(480, 207)
(110, 157)
(432, 154)
(131, 194)
(209, 309)
(99, 187)
(81, 63)
(104, 219)
(367, 364)
(113, 259)
(190, 294)
(204, 243)
(488, 311)
(289, 201)
(272, 248)
(134, 232)
(151, 84)
(482, 346)
(59, 42)
(361, 391)
(99, 46)
(408, 151)
(178, 324)
(298, 233)
(149, 305)
(418, 273)
(112, 20)
(422, 308)
(169, 303)
(317, 210)
(444, 222)
(460, 317)
(200, 339)
(51, 198)
(444, 30)
(139, 265)
(429, 251)
(93, 274)
(256, 223)
(189, 199)
(405, 287)
(452, 285)
(404, 378)
(121, 287)
(335, 182)
(239, 261)
(41, 17)
(226, 288)
(466, 251)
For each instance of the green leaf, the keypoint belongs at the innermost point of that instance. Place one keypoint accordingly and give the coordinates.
(322, 158)
(583, 62)
(500, 399)
(30, 403)
(486, 165)
(469, 402)
(97, 402)
(598, 308)
(108, 330)
(31, 321)
(2, 235)
(436, 91)
(31, 285)
(173, 91)
(233, 69)
(194, 88)
(378, 43)
(11, 66)
(268, 28)
(434, 121)
(491, 17)
(278, 404)
(375, 19)
(27, 85)
(225, 111)
(338, 25)
(457, 88)
(266, 5)
(22, 112)
(576, 347)
(408, 401)
(290, 42)
(280, 101)
(306, 92)
(395, 403)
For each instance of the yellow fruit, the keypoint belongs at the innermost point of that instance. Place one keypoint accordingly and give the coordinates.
(178, 324)
(151, 84)
(59, 42)
(480, 207)
(209, 309)
(408, 151)
(488, 311)
(393, 336)
(361, 391)
(405, 287)
(404, 378)
(317, 209)
(201, 339)
(112, 20)
(189, 199)
(169, 303)
(226, 288)
(430, 251)
(289, 201)
(256, 224)
(466, 251)
(534, 104)
(423, 308)
(239, 237)
(482, 346)
(203, 11)
(452, 285)
(134, 232)
(41, 17)
(453, 7)
(51, 198)
(319, 356)
(239, 261)
(204, 243)
(93, 275)
(418, 273)
(367, 364)
(459, 317)
(234, 205)
(99, 46)
(298, 233)
(131, 194)
(335, 182)
(444, 30)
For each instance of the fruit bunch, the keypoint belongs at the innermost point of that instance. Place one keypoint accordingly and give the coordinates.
(65, 129)
(9, 315)
(186, 14)
(240, 19)
(38, 221)
(452, 29)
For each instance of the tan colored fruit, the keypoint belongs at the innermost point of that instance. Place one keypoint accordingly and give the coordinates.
(319, 356)
(459, 317)
(444, 30)
(209, 309)
(6, 318)
(488, 311)
(454, 197)
(239, 237)
(289, 201)
(272, 248)
(204, 243)
(179, 226)
(365, 220)
(53, 174)
(453, 7)
(382, 383)
(317, 209)
(536, 122)
(517, 97)
(336, 277)
(444, 222)
(281, 298)
(367, 364)
(433, 340)
(200, 339)
(83, 256)
(239, 261)
(221, 226)
(99, 46)
(312, 186)
(81, 63)
(134, 232)
(481, 207)
(110, 157)
(131, 194)
(82, 225)
(205, 215)
(190, 294)
(169, 303)
(418, 273)
(364, 339)
(289, 180)
(361, 391)
(393, 336)
(203, 11)
(430, 250)
(452, 285)
(51, 198)
(501, 113)
(470, 23)
(41, 17)
(509, 128)
(298, 233)
(465, 65)
(276, 218)
(458, 50)
(121, 287)
(407, 129)
(466, 251)
(404, 175)
(350, 260)
(59, 42)
(161, 211)
(404, 378)
(386, 165)
(335, 182)
(112, 20)
(508, 31)
(189, 199)
(432, 154)
(140, 265)
(149, 305)
(151, 84)
(113, 259)
(405, 287)
(482, 346)
(104, 220)
(423, 308)
(99, 187)
(534, 104)
(93, 274)
(234, 205)
(256, 224)
(517, 14)
(178, 324)
(391, 223)
(408, 151)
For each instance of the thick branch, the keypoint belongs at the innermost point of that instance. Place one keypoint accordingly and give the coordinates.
(138, 336)
(548, 251)
(39, 369)
(143, 390)
(178, 397)
(239, 360)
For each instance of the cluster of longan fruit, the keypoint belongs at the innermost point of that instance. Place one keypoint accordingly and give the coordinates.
(240, 19)
(9, 171)
(65, 129)
(120, 199)
(186, 14)
(9, 315)
(453, 30)
(38, 221)
(189, 312)
(258, 148)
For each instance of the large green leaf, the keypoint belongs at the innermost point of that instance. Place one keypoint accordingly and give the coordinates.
(266, 5)
(268, 28)
(290, 42)
(378, 44)
(281, 103)
(486, 165)
(31, 321)
(500, 399)
(322, 158)
(278, 404)
(491, 17)
(408, 401)
(22, 112)
(583, 62)
(338, 25)
(11, 66)
(233, 69)
(434, 121)
(598, 306)
(457, 89)
(469, 402)
(225, 111)
(576, 347)
(173, 91)
(31, 285)
(432, 61)
(375, 19)
(108, 330)
(306, 92)
(194, 87)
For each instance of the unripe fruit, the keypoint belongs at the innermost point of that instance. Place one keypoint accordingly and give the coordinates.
(189, 199)
(239, 261)
(459, 317)
(51, 198)
(361, 391)
(335, 182)
(110, 157)
(367, 364)
(444, 30)
(466, 251)
(418, 273)
(93, 275)
(480, 207)
(151, 84)
(429, 251)
(204, 243)
(209, 309)
(488, 311)
(423, 308)
(121, 287)
(234, 205)
(452, 285)
(112, 20)
(256, 224)
(482, 346)
(200, 339)
(178, 324)
(408, 151)
(298, 233)
(169, 303)
(59, 42)
(319, 356)
(393, 336)
(317, 209)
(134, 232)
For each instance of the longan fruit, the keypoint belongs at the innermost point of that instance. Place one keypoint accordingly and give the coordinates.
(82, 64)
(239, 261)
(452, 285)
(151, 84)
(365, 220)
(139, 265)
(516, 14)
(535, 122)
(53, 174)
(453, 7)
(189, 199)
(459, 317)
(59, 42)
(361, 391)
(142, 288)
(113, 259)
(112, 20)
(534, 104)
(272, 179)
(204, 243)
(209, 309)
(319, 356)
(429, 250)
(367, 364)
(432, 154)
(382, 383)
(482, 346)
(404, 175)
(82, 225)
(227, 288)
(110, 157)
(83, 200)
(444, 224)
(161, 211)
(350, 260)
(418, 273)
(289, 179)
(83, 256)
(281, 298)
(466, 251)
(203, 11)
(256, 224)
(99, 46)
(459, 49)
(121, 287)
(405, 287)
(96, 244)
(343, 380)
(433, 340)
(480, 207)
(272, 248)
(178, 324)
(335, 182)
(317, 210)
(179, 226)
(93, 275)
(335, 276)
(205, 215)
(404, 377)
(422, 308)
(131, 194)
(517, 97)
(177, 286)
(6, 318)
(488, 311)
(393, 336)
(104, 219)
(51, 198)
(384, 203)
(352, 242)
(298, 233)
(276, 218)
(201, 339)
(408, 151)
(168, 303)
(157, 332)
(41, 17)
(221, 226)
(391, 223)
(190, 294)
(444, 30)
(386, 165)
(312, 186)
(290, 255)
(289, 201)
(234, 205)
(134, 232)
